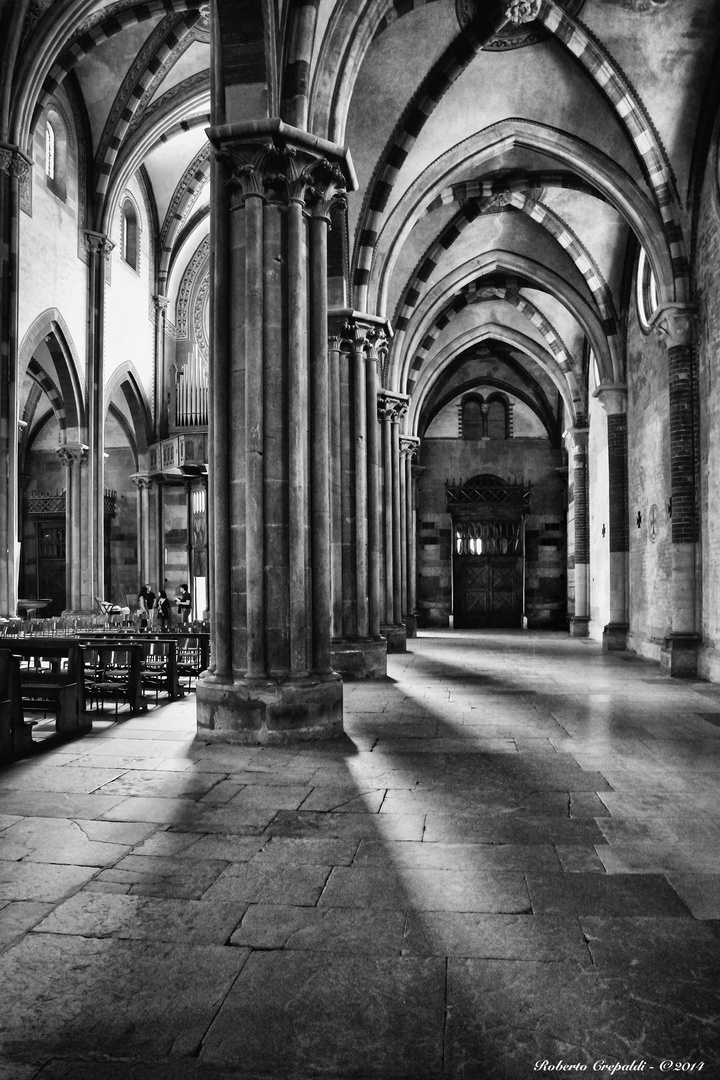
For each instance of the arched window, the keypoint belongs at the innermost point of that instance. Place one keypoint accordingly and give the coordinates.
(472, 419)
(56, 154)
(49, 151)
(130, 235)
(647, 294)
(497, 419)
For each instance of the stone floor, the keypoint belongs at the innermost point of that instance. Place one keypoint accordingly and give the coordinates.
(512, 857)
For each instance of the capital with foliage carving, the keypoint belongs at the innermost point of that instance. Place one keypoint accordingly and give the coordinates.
(612, 397)
(359, 332)
(141, 481)
(675, 324)
(409, 446)
(278, 163)
(72, 455)
(392, 406)
(98, 243)
(13, 161)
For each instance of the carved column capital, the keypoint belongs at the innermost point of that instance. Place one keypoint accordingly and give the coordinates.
(409, 446)
(277, 163)
(160, 303)
(522, 11)
(675, 324)
(392, 406)
(578, 438)
(98, 243)
(357, 330)
(71, 455)
(141, 481)
(612, 397)
(13, 161)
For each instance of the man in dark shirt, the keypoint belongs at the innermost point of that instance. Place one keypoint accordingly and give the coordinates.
(184, 601)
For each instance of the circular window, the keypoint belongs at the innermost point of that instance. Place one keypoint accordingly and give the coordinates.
(647, 295)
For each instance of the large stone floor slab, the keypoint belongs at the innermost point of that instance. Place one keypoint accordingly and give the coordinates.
(289, 1012)
(451, 890)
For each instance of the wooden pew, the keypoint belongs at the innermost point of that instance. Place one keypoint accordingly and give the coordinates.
(15, 732)
(47, 683)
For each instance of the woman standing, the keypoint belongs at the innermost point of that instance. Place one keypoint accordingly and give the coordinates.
(146, 604)
(163, 610)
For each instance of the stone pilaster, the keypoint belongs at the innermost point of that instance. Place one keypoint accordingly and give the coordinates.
(160, 303)
(271, 679)
(580, 619)
(14, 168)
(78, 529)
(409, 446)
(392, 407)
(99, 247)
(358, 345)
(614, 401)
(675, 325)
(147, 532)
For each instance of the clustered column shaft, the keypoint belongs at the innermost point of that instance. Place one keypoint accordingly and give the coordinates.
(359, 341)
(270, 401)
(392, 407)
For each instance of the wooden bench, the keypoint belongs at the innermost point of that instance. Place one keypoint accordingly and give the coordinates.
(15, 732)
(51, 680)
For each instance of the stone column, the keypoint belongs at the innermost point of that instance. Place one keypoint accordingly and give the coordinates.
(409, 446)
(99, 245)
(614, 401)
(391, 408)
(675, 325)
(580, 619)
(160, 304)
(147, 533)
(78, 531)
(360, 340)
(14, 169)
(270, 438)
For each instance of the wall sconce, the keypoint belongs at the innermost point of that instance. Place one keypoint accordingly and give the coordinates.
(639, 519)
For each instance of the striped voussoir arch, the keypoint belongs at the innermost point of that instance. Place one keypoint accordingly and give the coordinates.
(508, 290)
(111, 144)
(43, 380)
(477, 197)
(628, 106)
(85, 42)
(450, 66)
(184, 196)
(203, 120)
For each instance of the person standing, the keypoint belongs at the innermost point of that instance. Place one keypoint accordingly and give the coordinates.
(184, 602)
(163, 610)
(146, 604)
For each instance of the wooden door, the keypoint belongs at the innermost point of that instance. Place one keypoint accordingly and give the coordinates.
(488, 571)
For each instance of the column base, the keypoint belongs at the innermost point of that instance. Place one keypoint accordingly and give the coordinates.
(359, 658)
(614, 637)
(579, 626)
(679, 655)
(410, 625)
(396, 637)
(269, 712)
